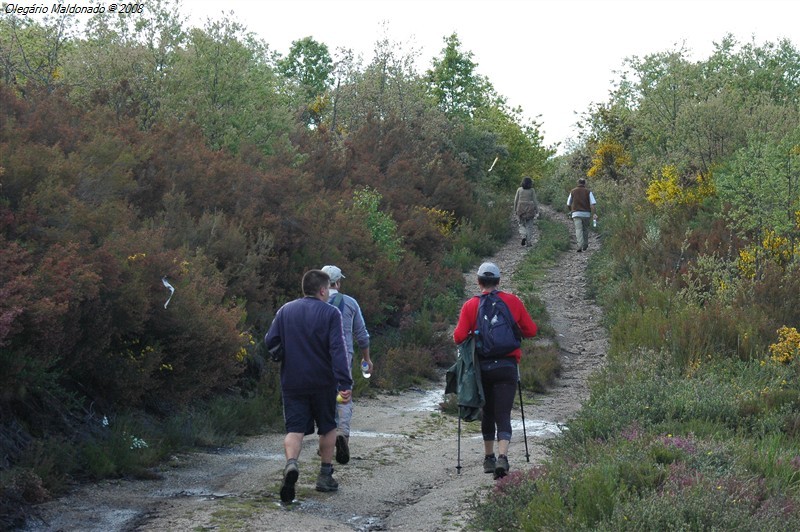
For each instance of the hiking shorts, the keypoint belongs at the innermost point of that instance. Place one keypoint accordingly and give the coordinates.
(303, 410)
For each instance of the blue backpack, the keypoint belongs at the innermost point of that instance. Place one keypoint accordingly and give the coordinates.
(496, 332)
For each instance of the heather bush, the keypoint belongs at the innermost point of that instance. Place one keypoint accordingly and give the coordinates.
(405, 365)
(539, 366)
(698, 503)
(510, 498)
(651, 433)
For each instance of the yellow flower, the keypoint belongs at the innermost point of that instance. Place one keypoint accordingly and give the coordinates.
(787, 348)
(609, 154)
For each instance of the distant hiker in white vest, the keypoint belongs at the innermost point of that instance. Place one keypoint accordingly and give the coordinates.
(354, 329)
(581, 205)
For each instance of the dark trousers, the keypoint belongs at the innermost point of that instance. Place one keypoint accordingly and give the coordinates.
(499, 385)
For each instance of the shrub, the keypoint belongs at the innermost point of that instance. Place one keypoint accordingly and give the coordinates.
(593, 495)
(539, 366)
(508, 500)
(405, 366)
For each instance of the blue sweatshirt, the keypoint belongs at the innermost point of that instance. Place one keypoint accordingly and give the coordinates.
(313, 340)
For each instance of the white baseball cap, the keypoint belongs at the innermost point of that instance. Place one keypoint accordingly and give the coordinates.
(489, 269)
(334, 272)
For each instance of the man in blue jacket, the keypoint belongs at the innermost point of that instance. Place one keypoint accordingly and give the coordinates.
(313, 369)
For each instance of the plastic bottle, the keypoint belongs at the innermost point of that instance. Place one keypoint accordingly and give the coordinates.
(365, 369)
(594, 222)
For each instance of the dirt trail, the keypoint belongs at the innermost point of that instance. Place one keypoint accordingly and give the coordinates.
(402, 473)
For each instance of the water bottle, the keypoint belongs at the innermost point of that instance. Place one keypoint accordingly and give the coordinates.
(594, 222)
(365, 369)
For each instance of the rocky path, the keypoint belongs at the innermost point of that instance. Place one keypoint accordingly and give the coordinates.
(402, 474)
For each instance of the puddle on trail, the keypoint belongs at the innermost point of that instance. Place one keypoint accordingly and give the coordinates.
(430, 400)
(538, 428)
(359, 523)
(534, 428)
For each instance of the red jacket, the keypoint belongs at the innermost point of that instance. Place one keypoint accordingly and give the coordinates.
(469, 315)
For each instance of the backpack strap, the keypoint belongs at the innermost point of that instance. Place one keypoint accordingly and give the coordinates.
(337, 301)
(477, 314)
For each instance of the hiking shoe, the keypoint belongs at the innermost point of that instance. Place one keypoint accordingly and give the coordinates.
(290, 474)
(501, 468)
(489, 463)
(342, 449)
(326, 482)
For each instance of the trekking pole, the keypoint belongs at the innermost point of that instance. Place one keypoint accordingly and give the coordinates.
(458, 459)
(524, 432)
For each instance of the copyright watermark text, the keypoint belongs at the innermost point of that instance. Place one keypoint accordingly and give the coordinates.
(74, 8)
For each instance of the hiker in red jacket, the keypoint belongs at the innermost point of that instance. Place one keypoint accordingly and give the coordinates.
(499, 376)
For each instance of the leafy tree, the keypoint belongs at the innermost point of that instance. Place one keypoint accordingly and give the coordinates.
(454, 83)
(519, 146)
(310, 67)
(127, 62)
(366, 206)
(223, 81)
(32, 52)
(389, 86)
(755, 188)
(762, 194)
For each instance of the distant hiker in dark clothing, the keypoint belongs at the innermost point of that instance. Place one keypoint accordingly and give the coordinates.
(526, 208)
(499, 375)
(314, 368)
(581, 205)
(355, 331)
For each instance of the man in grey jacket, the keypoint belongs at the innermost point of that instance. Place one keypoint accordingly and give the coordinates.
(354, 329)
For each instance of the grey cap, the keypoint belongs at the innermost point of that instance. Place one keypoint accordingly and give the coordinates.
(490, 270)
(334, 272)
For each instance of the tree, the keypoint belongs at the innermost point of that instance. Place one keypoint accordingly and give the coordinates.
(761, 193)
(223, 81)
(128, 62)
(310, 67)
(453, 82)
(462, 95)
(31, 52)
(518, 143)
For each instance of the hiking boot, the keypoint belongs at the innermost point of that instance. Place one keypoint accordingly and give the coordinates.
(501, 468)
(326, 482)
(524, 240)
(290, 474)
(342, 449)
(489, 463)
